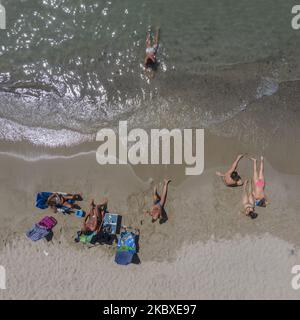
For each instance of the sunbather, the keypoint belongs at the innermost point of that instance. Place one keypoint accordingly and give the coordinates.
(58, 200)
(259, 183)
(93, 220)
(157, 210)
(248, 201)
(231, 178)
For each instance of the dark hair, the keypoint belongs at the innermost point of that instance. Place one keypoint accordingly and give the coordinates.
(235, 176)
(252, 215)
(150, 64)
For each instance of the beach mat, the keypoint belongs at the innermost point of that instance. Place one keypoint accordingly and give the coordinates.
(126, 248)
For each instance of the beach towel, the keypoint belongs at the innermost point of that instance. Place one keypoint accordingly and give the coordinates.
(126, 248)
(86, 238)
(41, 229)
(48, 222)
(41, 202)
(41, 199)
(37, 232)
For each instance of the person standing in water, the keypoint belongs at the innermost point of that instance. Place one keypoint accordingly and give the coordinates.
(157, 211)
(259, 183)
(150, 62)
(231, 178)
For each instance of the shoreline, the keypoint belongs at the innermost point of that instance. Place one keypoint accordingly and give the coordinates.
(218, 151)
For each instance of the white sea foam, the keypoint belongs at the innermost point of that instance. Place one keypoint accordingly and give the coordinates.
(15, 132)
(267, 87)
(32, 157)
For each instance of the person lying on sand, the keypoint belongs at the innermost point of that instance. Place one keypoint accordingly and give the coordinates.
(150, 62)
(157, 210)
(248, 201)
(93, 220)
(231, 178)
(57, 200)
(259, 183)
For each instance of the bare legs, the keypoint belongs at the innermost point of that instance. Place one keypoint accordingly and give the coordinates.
(258, 175)
(162, 199)
(255, 175)
(261, 171)
(155, 40)
(259, 180)
(247, 194)
(74, 197)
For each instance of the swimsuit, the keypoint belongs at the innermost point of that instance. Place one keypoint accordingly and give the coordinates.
(151, 50)
(260, 183)
(157, 202)
(260, 202)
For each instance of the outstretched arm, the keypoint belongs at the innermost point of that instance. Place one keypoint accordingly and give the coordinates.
(51, 197)
(164, 192)
(148, 40)
(156, 37)
(219, 174)
(235, 164)
(245, 198)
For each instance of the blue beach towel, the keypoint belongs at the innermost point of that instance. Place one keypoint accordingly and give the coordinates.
(41, 199)
(126, 248)
(41, 202)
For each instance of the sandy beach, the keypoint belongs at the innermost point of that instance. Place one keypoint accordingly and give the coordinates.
(69, 69)
(207, 248)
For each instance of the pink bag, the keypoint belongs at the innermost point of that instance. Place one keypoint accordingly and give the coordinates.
(48, 222)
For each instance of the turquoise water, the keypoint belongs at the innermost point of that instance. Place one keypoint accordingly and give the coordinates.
(70, 67)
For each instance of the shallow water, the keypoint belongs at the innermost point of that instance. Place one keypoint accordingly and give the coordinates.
(70, 67)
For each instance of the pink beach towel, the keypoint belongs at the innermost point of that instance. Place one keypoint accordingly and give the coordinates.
(48, 222)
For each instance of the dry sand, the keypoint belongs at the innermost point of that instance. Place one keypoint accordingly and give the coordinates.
(207, 248)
